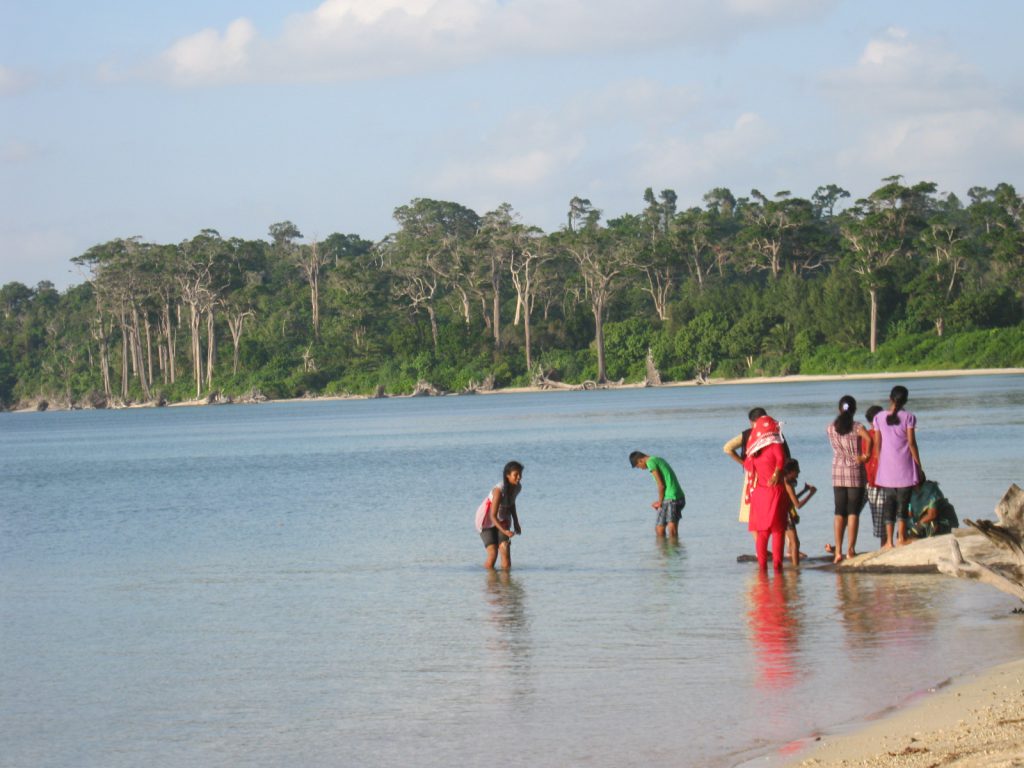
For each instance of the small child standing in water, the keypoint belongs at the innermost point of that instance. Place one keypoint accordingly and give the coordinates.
(790, 474)
(496, 517)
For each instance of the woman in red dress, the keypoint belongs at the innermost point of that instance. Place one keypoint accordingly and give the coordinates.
(769, 503)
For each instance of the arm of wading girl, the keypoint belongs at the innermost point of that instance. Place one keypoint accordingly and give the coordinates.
(661, 488)
(495, 504)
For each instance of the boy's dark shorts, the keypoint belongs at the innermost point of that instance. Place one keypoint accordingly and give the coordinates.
(670, 512)
(492, 537)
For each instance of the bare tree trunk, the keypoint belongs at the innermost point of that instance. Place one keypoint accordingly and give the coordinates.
(526, 332)
(197, 356)
(99, 333)
(598, 308)
(433, 326)
(236, 323)
(169, 332)
(211, 347)
(464, 301)
(149, 348)
(873, 292)
(137, 356)
(314, 295)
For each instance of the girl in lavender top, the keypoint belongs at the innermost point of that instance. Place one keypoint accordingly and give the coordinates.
(899, 464)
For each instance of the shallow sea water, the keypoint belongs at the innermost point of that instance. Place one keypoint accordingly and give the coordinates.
(300, 583)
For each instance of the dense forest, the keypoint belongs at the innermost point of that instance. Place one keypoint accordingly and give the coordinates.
(905, 278)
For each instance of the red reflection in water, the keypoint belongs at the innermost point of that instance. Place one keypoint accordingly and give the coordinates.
(774, 631)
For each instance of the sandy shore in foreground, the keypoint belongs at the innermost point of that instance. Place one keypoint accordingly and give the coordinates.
(974, 723)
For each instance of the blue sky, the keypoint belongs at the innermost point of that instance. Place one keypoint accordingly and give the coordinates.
(161, 119)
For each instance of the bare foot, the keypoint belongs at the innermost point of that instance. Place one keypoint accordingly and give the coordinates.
(839, 558)
(887, 546)
(850, 554)
(830, 549)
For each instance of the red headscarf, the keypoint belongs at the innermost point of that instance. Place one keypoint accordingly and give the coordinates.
(765, 432)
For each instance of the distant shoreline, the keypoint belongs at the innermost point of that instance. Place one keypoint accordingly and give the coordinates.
(791, 379)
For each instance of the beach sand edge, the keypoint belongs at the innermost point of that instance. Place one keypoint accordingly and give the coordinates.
(975, 722)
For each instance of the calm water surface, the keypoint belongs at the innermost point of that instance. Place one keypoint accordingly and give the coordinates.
(300, 583)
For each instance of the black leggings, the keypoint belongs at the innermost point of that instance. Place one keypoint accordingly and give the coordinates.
(849, 501)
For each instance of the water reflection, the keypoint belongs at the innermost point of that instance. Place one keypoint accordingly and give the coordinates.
(509, 645)
(887, 612)
(774, 619)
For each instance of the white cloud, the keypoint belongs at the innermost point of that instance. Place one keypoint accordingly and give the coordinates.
(607, 145)
(208, 55)
(920, 110)
(897, 74)
(959, 149)
(529, 149)
(354, 39)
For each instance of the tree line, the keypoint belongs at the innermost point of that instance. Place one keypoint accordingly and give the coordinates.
(902, 278)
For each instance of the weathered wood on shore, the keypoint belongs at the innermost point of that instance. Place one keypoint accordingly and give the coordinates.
(992, 553)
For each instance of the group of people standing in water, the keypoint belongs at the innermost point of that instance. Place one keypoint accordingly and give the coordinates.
(878, 464)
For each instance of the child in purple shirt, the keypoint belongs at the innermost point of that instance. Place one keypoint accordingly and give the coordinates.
(899, 464)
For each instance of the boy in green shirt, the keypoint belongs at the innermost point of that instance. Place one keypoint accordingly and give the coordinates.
(671, 500)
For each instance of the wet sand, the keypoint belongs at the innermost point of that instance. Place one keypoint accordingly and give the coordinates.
(977, 722)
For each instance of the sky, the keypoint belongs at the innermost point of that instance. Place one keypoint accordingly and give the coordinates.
(124, 118)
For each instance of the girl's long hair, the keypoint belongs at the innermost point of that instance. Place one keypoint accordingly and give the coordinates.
(844, 421)
(898, 397)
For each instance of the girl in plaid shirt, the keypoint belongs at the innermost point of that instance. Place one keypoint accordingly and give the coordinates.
(848, 475)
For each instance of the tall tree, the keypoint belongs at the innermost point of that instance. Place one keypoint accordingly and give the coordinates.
(602, 258)
(879, 229)
(418, 255)
(526, 265)
(196, 277)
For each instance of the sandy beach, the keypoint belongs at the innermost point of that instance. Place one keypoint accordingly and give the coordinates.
(32, 407)
(977, 722)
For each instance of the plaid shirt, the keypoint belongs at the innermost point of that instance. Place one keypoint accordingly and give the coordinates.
(847, 471)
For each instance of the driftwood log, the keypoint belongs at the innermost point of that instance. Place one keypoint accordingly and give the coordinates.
(653, 376)
(426, 389)
(992, 553)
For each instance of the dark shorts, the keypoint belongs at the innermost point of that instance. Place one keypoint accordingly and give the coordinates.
(849, 501)
(670, 512)
(897, 505)
(492, 537)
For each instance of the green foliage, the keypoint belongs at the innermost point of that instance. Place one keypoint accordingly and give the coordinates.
(626, 346)
(749, 286)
